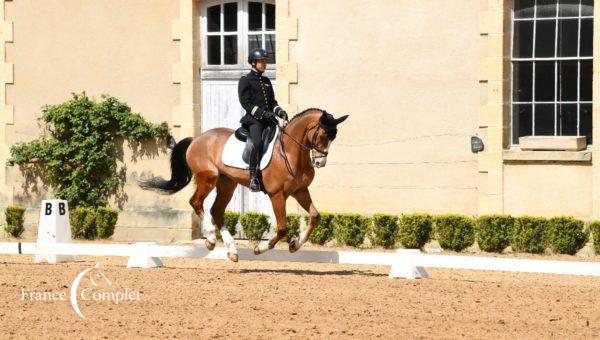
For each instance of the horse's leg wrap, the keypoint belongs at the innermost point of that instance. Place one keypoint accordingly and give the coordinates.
(228, 240)
(263, 246)
(297, 242)
(209, 232)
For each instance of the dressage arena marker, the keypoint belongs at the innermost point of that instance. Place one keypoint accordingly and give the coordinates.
(54, 246)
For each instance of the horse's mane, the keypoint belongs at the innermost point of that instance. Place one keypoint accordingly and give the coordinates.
(298, 115)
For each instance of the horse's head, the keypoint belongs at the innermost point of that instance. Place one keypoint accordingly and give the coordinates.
(321, 135)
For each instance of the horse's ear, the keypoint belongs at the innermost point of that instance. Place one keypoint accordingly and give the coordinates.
(327, 118)
(323, 118)
(339, 120)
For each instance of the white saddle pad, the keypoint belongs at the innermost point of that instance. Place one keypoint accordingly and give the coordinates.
(232, 152)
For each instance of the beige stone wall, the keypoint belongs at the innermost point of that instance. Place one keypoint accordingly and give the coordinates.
(407, 73)
(123, 48)
(548, 189)
(417, 78)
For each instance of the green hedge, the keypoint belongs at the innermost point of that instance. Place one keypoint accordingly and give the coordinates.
(414, 230)
(454, 232)
(567, 235)
(350, 229)
(90, 223)
(106, 220)
(594, 228)
(493, 232)
(231, 219)
(323, 232)
(255, 224)
(530, 234)
(293, 225)
(83, 222)
(15, 220)
(384, 230)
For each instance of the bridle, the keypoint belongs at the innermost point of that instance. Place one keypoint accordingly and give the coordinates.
(311, 147)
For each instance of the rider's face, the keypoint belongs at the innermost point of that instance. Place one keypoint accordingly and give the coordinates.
(261, 65)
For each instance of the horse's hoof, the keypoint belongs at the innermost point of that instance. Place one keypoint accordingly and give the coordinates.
(292, 247)
(256, 251)
(233, 257)
(209, 245)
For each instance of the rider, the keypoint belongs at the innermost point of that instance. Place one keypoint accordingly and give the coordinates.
(258, 99)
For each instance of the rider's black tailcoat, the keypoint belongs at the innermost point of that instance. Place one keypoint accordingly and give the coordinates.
(256, 95)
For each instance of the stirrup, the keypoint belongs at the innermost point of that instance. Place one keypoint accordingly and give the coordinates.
(254, 185)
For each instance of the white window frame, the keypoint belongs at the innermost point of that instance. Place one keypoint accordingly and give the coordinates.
(556, 59)
(242, 34)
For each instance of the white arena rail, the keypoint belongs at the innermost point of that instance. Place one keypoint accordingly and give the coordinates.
(54, 245)
(405, 263)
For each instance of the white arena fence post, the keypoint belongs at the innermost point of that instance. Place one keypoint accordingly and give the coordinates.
(405, 265)
(54, 227)
(141, 258)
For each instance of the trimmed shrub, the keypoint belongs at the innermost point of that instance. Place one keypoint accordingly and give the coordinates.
(383, 230)
(493, 232)
(231, 219)
(454, 232)
(566, 235)
(15, 220)
(323, 232)
(293, 224)
(414, 230)
(350, 229)
(255, 224)
(106, 220)
(530, 234)
(83, 222)
(594, 227)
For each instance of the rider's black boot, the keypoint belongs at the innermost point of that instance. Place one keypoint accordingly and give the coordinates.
(254, 184)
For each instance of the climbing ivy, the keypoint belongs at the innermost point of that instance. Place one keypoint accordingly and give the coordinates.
(77, 154)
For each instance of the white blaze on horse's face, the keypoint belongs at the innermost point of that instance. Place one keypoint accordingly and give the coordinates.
(320, 160)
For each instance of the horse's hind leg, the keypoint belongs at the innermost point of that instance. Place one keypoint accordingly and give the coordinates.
(205, 182)
(225, 189)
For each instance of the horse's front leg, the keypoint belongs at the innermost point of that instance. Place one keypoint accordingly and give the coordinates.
(278, 202)
(303, 198)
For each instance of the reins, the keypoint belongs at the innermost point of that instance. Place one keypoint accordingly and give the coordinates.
(304, 147)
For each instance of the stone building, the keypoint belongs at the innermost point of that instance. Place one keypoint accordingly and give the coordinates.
(418, 79)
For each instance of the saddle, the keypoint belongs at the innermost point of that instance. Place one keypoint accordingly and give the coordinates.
(238, 144)
(242, 135)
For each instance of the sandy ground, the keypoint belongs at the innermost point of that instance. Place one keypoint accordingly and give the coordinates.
(193, 298)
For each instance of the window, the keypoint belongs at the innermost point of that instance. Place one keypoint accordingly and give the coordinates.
(233, 28)
(261, 27)
(551, 68)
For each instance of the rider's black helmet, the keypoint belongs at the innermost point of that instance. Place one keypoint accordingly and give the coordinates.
(257, 53)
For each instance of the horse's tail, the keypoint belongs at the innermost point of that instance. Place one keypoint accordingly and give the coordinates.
(180, 172)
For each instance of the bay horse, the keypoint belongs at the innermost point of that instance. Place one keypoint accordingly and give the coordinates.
(302, 144)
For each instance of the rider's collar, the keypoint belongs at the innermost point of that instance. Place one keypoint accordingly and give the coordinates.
(256, 72)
